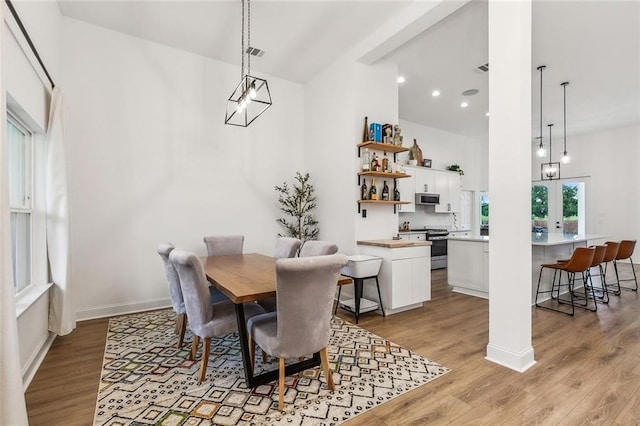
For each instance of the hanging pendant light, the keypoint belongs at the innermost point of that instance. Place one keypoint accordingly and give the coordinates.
(550, 170)
(565, 156)
(251, 97)
(541, 151)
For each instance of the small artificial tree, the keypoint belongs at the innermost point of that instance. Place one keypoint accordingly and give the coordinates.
(297, 202)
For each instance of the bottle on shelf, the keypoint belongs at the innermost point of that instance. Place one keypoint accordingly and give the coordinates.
(366, 160)
(396, 193)
(365, 132)
(385, 192)
(375, 164)
(364, 192)
(385, 163)
(373, 192)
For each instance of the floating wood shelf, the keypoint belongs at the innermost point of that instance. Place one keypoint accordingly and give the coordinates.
(383, 146)
(384, 175)
(382, 202)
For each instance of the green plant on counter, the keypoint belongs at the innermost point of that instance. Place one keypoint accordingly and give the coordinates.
(456, 168)
(297, 202)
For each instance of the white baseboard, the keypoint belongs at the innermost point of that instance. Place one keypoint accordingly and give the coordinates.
(95, 312)
(470, 292)
(33, 364)
(519, 362)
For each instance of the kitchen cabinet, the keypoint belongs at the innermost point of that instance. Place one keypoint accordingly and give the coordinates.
(405, 275)
(444, 183)
(448, 186)
(468, 266)
(394, 149)
(407, 193)
(425, 181)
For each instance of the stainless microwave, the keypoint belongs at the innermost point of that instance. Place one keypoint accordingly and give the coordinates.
(425, 199)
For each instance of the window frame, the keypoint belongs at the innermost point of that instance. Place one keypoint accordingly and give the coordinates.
(27, 207)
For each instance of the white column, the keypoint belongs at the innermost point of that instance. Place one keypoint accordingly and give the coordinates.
(510, 184)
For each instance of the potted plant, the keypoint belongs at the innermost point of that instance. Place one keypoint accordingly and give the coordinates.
(297, 202)
(456, 168)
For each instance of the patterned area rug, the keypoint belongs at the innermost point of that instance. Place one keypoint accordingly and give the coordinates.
(147, 381)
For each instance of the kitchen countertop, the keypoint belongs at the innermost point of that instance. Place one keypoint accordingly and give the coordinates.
(472, 237)
(554, 239)
(394, 243)
(538, 239)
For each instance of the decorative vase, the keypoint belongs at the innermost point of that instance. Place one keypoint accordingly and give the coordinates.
(417, 152)
(413, 162)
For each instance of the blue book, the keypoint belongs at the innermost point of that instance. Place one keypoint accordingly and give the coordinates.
(375, 130)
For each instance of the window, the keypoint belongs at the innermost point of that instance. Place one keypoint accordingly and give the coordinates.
(20, 148)
(559, 206)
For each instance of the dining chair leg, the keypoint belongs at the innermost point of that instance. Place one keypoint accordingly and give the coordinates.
(182, 322)
(281, 386)
(335, 309)
(324, 359)
(176, 329)
(252, 351)
(194, 348)
(206, 343)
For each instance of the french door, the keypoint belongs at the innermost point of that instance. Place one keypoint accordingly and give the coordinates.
(559, 206)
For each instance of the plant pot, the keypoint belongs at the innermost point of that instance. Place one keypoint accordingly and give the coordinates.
(413, 162)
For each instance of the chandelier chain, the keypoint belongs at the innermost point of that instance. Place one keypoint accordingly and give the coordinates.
(249, 36)
(242, 47)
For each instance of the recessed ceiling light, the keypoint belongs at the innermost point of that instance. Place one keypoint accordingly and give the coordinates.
(435, 93)
(401, 79)
(464, 105)
(470, 92)
(487, 114)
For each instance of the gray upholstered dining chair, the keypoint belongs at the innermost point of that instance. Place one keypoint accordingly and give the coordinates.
(285, 247)
(222, 245)
(317, 248)
(301, 324)
(205, 320)
(175, 292)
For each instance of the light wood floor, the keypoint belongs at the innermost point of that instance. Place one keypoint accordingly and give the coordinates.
(587, 371)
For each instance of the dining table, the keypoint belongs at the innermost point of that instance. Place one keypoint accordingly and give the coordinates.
(247, 278)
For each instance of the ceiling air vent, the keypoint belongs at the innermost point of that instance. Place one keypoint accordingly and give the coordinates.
(482, 68)
(255, 51)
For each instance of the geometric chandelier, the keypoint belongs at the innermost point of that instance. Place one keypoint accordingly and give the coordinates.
(550, 170)
(251, 97)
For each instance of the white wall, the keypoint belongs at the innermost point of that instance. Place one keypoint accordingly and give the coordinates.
(151, 161)
(342, 91)
(610, 158)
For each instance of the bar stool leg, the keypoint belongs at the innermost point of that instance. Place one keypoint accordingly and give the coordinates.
(357, 283)
(338, 300)
(615, 266)
(380, 297)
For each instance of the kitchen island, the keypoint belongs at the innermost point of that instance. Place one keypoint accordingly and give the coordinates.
(405, 273)
(468, 270)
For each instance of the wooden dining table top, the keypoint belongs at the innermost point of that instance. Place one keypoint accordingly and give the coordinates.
(246, 277)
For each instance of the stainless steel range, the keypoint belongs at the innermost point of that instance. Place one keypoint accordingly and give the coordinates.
(438, 238)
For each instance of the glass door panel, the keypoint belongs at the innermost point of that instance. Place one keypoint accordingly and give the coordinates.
(559, 206)
(540, 208)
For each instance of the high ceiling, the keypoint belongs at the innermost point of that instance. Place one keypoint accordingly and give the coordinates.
(595, 45)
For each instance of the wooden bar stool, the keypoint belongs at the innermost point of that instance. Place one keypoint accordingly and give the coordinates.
(599, 294)
(625, 252)
(610, 256)
(580, 261)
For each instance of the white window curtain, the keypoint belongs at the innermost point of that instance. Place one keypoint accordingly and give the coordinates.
(13, 410)
(62, 313)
